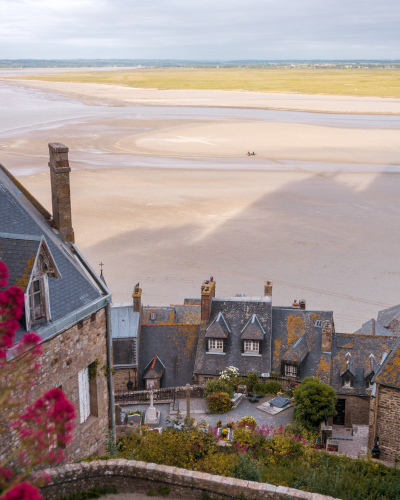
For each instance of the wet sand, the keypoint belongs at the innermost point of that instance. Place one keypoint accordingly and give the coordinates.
(170, 214)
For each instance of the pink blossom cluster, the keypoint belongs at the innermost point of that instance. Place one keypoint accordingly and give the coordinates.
(44, 428)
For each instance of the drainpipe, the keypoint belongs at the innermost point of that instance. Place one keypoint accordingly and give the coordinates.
(109, 361)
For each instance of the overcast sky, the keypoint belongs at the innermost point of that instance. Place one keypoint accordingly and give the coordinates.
(200, 29)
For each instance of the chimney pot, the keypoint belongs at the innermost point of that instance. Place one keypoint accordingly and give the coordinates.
(137, 299)
(60, 190)
(207, 294)
(268, 288)
(302, 304)
(295, 304)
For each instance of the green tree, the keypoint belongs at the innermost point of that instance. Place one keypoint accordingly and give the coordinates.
(311, 398)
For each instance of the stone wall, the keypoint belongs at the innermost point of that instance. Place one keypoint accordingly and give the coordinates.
(128, 476)
(121, 378)
(356, 410)
(388, 422)
(63, 357)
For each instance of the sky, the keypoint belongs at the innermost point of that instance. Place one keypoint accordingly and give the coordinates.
(200, 29)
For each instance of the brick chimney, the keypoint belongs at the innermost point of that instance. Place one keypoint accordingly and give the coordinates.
(137, 299)
(373, 327)
(295, 304)
(268, 288)
(207, 293)
(327, 330)
(302, 303)
(60, 190)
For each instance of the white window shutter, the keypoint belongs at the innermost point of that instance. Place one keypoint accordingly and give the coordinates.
(84, 394)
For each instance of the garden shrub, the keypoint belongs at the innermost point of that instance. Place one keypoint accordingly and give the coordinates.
(269, 388)
(220, 463)
(236, 381)
(252, 380)
(219, 402)
(311, 398)
(298, 429)
(247, 468)
(218, 385)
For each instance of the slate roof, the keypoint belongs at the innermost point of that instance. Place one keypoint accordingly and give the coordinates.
(298, 351)
(154, 369)
(288, 325)
(386, 316)
(76, 288)
(237, 312)
(389, 372)
(360, 347)
(253, 330)
(19, 254)
(373, 327)
(168, 315)
(177, 345)
(218, 328)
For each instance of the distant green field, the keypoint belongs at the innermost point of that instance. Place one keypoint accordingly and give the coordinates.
(309, 81)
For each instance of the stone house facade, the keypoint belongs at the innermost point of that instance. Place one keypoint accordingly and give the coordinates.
(66, 303)
(384, 417)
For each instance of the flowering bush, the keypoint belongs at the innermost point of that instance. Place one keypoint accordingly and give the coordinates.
(219, 402)
(230, 373)
(224, 433)
(230, 424)
(251, 421)
(44, 428)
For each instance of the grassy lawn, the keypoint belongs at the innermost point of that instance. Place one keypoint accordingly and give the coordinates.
(310, 81)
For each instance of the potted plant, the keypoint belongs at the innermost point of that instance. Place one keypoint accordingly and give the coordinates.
(219, 423)
(229, 425)
(224, 434)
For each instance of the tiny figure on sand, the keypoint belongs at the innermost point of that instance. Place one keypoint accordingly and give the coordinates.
(250, 154)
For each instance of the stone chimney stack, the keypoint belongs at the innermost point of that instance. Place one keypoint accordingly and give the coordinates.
(373, 327)
(207, 294)
(327, 330)
(302, 303)
(137, 299)
(295, 304)
(268, 288)
(60, 190)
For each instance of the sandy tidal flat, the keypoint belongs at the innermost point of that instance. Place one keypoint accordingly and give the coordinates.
(92, 92)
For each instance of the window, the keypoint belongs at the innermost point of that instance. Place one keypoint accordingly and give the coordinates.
(319, 323)
(36, 301)
(347, 381)
(84, 395)
(153, 316)
(251, 346)
(290, 371)
(215, 345)
(368, 383)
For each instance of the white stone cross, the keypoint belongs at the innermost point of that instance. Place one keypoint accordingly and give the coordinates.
(151, 399)
(188, 388)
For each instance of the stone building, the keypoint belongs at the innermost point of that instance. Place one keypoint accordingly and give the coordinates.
(384, 418)
(65, 303)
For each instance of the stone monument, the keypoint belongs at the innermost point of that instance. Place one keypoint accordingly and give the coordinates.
(152, 416)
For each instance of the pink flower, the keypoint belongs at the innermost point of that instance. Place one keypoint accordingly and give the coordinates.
(23, 491)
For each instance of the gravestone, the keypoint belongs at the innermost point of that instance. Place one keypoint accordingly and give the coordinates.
(152, 416)
(134, 419)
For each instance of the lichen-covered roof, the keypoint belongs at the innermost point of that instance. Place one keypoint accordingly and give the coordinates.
(298, 351)
(288, 325)
(389, 372)
(218, 329)
(19, 254)
(75, 288)
(347, 366)
(360, 347)
(373, 327)
(237, 312)
(171, 315)
(154, 369)
(176, 344)
(253, 330)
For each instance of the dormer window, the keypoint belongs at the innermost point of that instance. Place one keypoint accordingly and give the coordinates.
(347, 381)
(215, 345)
(251, 346)
(36, 300)
(291, 370)
(368, 382)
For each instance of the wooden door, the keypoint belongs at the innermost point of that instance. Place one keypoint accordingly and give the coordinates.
(338, 419)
